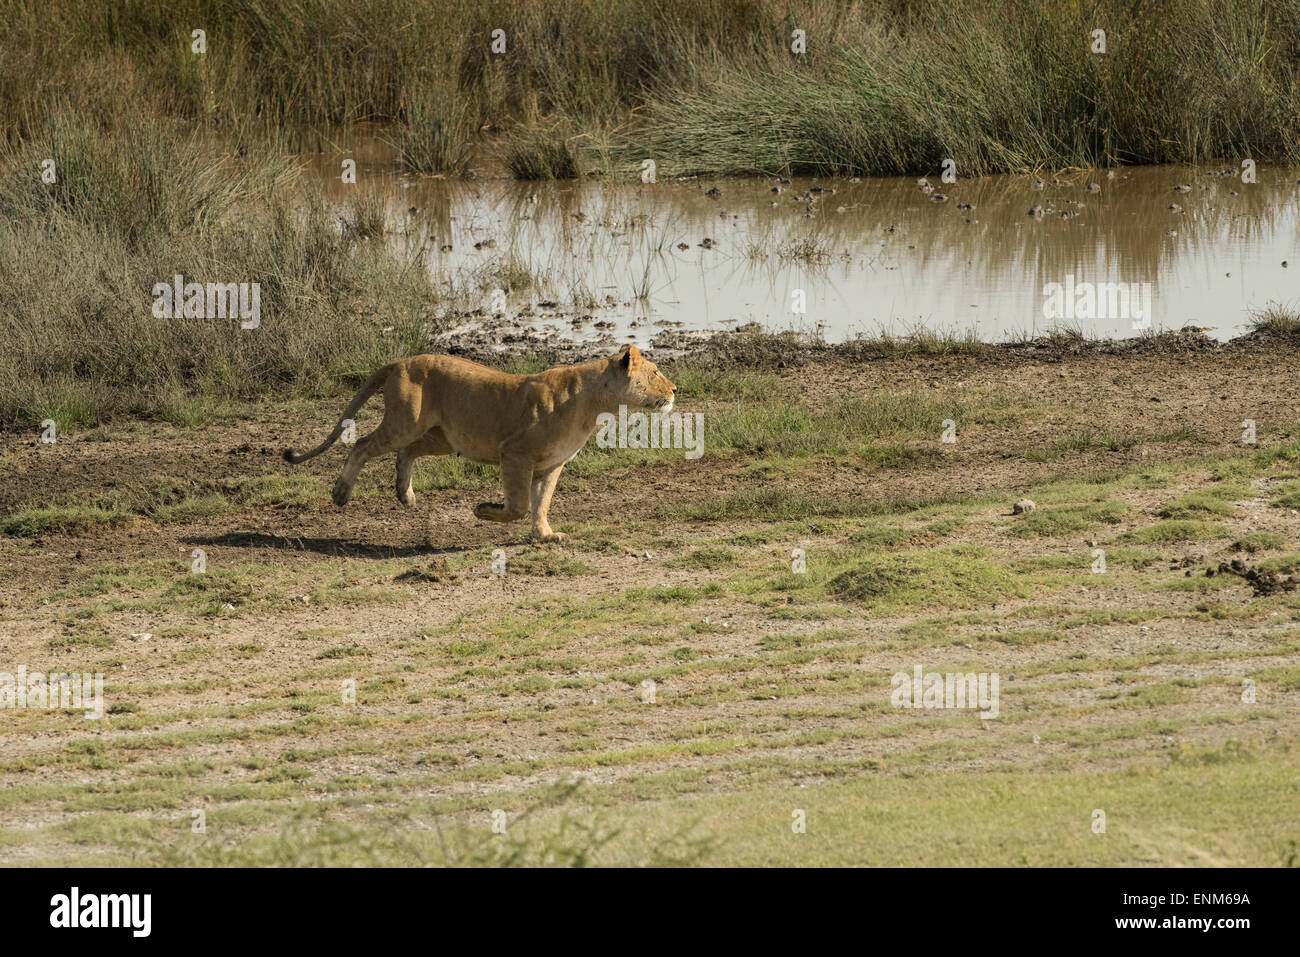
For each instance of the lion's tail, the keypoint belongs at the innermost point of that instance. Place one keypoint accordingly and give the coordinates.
(373, 384)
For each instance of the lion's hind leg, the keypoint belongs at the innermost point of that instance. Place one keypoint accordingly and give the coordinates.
(389, 435)
(433, 442)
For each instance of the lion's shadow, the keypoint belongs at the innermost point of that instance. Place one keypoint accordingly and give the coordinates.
(334, 547)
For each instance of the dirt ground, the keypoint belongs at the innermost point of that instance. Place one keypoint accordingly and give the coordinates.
(478, 690)
(1208, 394)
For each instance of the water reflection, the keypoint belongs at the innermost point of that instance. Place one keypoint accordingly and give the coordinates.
(864, 257)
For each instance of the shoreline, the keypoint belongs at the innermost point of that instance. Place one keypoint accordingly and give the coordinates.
(751, 346)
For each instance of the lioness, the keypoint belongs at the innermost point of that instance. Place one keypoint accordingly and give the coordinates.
(530, 425)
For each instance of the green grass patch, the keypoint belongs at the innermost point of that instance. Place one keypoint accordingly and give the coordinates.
(1259, 542)
(956, 577)
(1176, 530)
(1056, 521)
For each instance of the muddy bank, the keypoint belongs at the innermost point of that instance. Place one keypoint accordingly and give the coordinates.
(490, 339)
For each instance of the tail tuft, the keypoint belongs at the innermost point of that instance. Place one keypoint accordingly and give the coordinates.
(290, 456)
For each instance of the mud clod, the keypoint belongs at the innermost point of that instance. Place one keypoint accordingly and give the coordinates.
(1264, 581)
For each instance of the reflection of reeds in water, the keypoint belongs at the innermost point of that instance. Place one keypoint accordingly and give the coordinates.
(367, 214)
(539, 152)
(629, 236)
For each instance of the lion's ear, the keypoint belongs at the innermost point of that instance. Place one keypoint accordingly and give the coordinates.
(630, 357)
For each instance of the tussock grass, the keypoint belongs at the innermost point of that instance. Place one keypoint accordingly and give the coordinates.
(547, 563)
(1276, 320)
(889, 90)
(1195, 505)
(1083, 440)
(1064, 519)
(894, 455)
(1259, 542)
(135, 205)
(163, 500)
(435, 134)
(541, 153)
(1176, 530)
(1288, 496)
(708, 87)
(949, 577)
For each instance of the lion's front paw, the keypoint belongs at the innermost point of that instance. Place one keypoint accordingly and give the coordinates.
(548, 536)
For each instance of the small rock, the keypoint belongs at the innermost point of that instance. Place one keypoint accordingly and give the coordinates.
(1022, 506)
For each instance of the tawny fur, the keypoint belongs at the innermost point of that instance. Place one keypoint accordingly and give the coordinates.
(530, 425)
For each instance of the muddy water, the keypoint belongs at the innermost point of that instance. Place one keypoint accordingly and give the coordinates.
(588, 258)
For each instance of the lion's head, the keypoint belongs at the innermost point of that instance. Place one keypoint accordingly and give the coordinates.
(641, 383)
